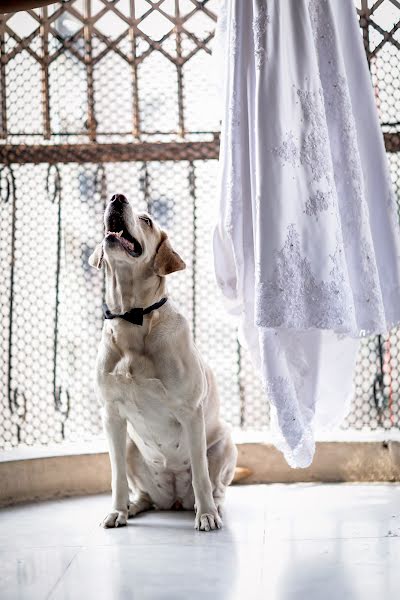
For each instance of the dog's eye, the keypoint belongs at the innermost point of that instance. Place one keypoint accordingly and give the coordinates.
(147, 221)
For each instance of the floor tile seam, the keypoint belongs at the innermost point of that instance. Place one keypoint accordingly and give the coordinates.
(53, 589)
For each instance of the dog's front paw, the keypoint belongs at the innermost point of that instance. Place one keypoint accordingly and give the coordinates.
(116, 518)
(207, 520)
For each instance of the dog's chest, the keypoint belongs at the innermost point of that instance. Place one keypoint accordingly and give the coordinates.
(149, 408)
(154, 427)
(143, 400)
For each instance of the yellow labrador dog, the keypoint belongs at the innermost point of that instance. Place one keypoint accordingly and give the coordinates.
(167, 442)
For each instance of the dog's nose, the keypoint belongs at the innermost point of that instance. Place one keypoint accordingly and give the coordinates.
(119, 198)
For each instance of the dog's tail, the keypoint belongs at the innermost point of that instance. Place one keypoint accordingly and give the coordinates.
(241, 473)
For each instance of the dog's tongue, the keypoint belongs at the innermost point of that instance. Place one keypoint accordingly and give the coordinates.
(127, 244)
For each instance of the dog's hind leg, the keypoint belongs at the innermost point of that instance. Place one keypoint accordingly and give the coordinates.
(140, 503)
(222, 458)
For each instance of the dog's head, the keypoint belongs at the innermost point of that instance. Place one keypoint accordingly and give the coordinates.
(134, 240)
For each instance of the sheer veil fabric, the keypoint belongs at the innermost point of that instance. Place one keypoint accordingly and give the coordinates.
(306, 247)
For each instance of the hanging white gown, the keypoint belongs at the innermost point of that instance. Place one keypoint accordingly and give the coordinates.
(306, 249)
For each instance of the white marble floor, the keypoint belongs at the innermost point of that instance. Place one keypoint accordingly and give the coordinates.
(280, 542)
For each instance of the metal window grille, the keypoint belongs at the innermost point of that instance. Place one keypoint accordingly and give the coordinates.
(102, 96)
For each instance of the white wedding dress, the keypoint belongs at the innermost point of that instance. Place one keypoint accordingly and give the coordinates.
(306, 249)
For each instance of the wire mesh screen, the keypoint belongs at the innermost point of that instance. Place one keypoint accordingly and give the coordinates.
(99, 97)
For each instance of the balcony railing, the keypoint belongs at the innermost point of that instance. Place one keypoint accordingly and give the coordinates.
(98, 97)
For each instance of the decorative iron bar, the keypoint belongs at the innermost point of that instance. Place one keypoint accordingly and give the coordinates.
(98, 96)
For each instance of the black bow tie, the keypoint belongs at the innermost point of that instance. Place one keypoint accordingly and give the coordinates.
(135, 315)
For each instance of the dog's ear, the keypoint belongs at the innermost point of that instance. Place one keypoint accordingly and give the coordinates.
(96, 258)
(167, 260)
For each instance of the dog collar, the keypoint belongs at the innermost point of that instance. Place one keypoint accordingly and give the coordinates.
(135, 315)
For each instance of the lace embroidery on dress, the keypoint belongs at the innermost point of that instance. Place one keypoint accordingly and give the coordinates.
(234, 107)
(294, 298)
(260, 23)
(295, 439)
(233, 43)
(354, 214)
(391, 201)
(282, 393)
(312, 151)
(233, 203)
(287, 151)
(318, 202)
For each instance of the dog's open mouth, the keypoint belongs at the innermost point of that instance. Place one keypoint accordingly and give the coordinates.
(126, 240)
